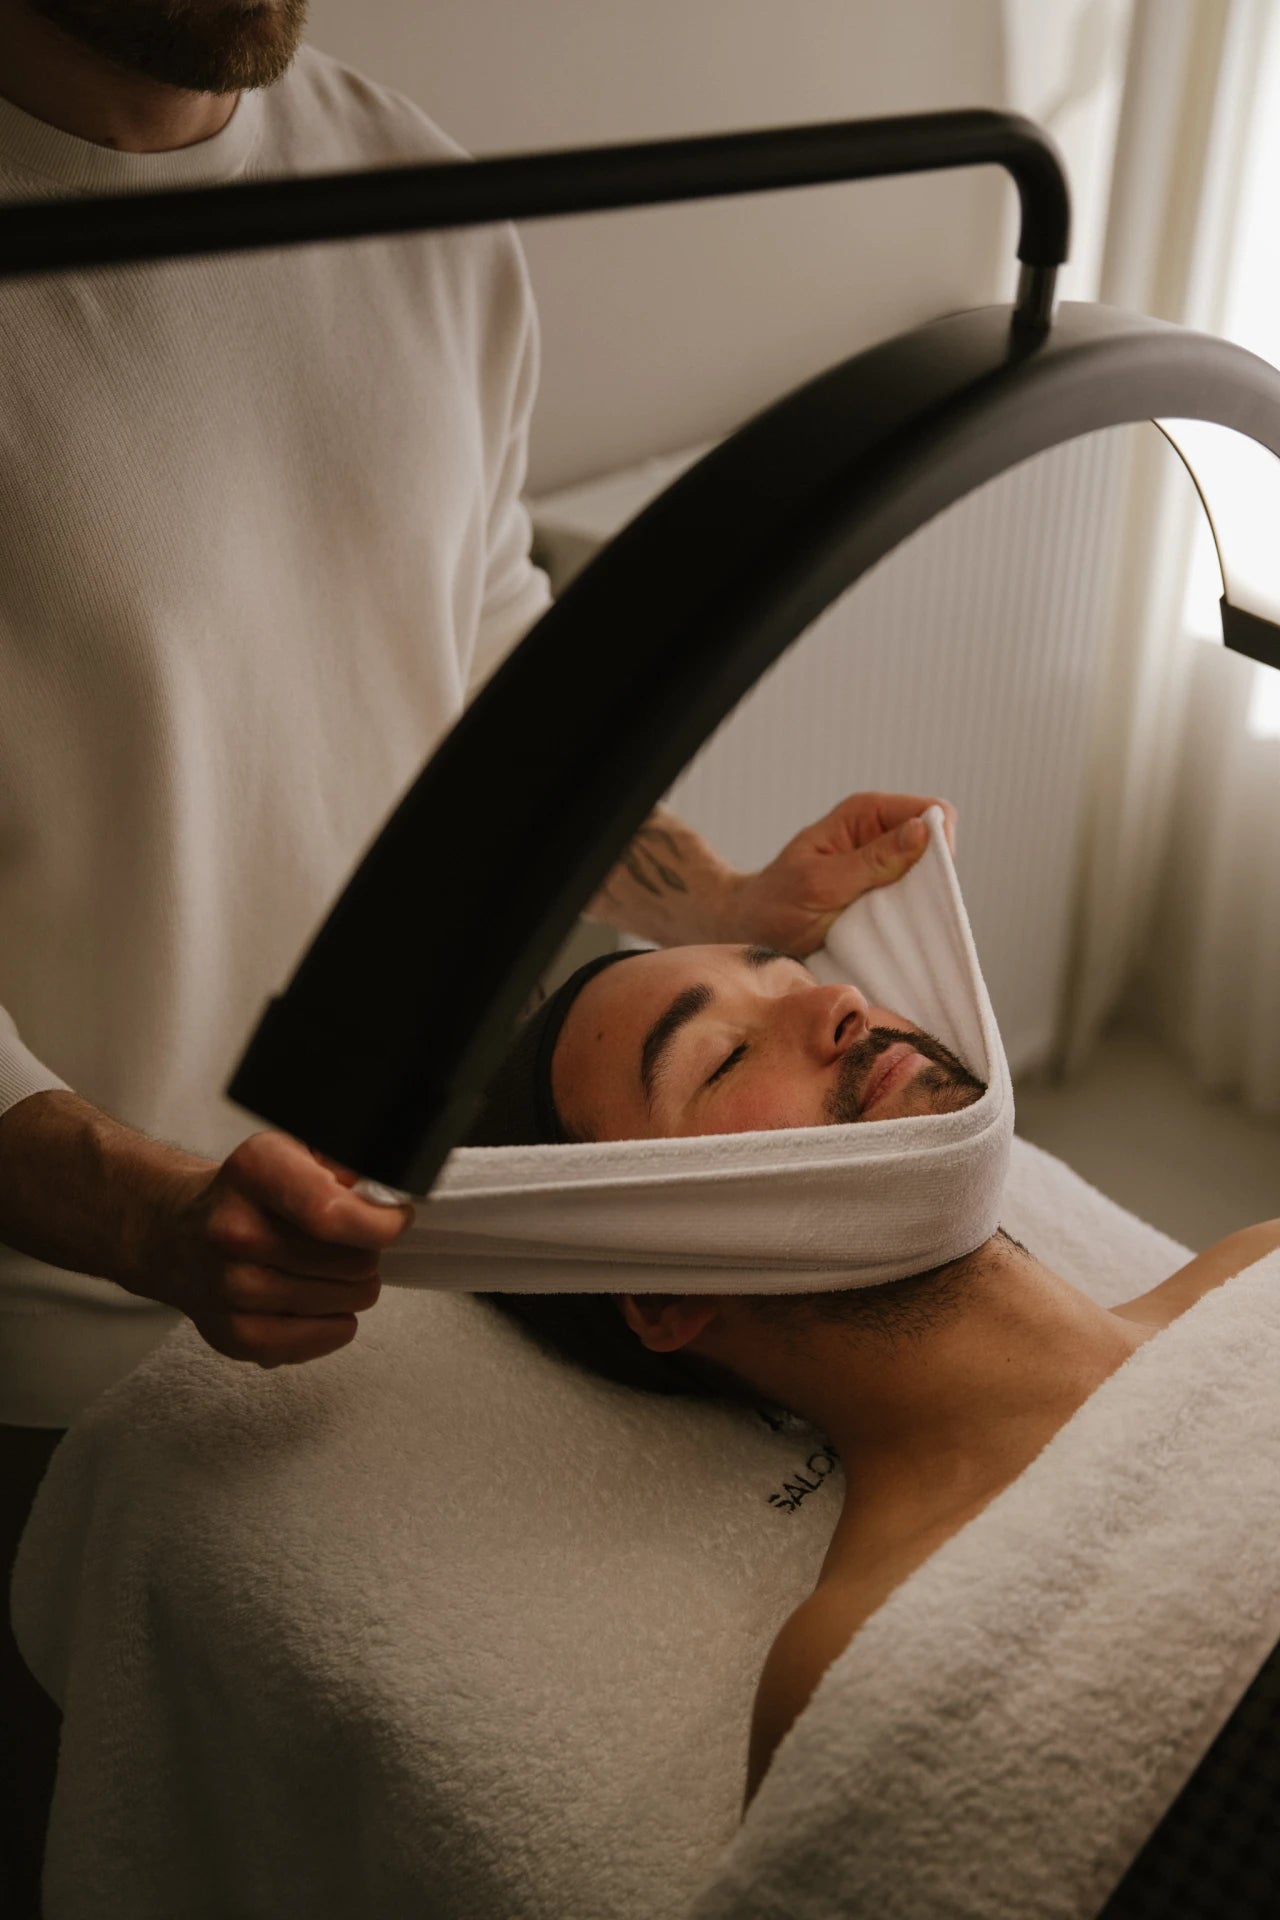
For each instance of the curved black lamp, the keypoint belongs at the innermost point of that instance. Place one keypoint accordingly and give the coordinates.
(532, 796)
(379, 1048)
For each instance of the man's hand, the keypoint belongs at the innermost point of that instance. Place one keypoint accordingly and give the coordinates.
(269, 1254)
(672, 887)
(869, 840)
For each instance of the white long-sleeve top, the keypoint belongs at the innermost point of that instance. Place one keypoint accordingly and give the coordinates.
(260, 535)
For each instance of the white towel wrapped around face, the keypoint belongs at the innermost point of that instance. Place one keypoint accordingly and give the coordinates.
(1006, 1731)
(798, 1210)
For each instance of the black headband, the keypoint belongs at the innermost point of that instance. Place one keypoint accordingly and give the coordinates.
(518, 1110)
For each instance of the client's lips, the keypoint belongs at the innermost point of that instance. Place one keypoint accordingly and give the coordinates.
(896, 1064)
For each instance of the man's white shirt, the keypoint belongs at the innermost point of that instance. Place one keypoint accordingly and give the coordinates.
(262, 536)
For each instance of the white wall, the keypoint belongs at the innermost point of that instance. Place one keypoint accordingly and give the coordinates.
(667, 326)
(1064, 62)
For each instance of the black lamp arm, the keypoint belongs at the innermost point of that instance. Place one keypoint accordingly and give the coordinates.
(48, 238)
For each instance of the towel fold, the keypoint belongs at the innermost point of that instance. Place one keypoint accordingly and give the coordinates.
(797, 1210)
(1005, 1732)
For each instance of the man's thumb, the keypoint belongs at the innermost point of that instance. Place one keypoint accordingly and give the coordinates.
(890, 856)
(335, 1167)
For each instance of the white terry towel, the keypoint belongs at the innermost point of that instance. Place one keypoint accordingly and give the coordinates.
(795, 1210)
(437, 1626)
(1005, 1732)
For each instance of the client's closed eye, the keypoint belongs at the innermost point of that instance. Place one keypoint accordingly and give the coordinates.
(730, 1060)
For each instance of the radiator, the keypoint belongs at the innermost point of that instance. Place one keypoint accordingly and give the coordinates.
(966, 664)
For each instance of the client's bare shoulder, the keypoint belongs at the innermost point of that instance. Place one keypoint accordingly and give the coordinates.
(808, 1642)
(1209, 1269)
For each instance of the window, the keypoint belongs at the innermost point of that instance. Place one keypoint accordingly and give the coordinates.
(1251, 317)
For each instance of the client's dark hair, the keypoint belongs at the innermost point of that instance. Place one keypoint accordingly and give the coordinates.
(588, 1328)
(517, 1108)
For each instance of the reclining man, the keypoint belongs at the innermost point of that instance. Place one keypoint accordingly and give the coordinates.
(936, 1390)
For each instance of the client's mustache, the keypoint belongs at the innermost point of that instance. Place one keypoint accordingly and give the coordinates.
(954, 1079)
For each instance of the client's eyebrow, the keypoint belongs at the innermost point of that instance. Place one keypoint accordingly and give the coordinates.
(693, 1000)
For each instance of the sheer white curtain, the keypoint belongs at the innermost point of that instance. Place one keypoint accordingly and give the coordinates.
(1180, 895)
(1210, 980)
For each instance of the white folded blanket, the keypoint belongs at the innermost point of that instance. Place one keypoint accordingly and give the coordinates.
(1005, 1732)
(440, 1625)
(796, 1210)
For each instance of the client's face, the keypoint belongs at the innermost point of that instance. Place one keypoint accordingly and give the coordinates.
(733, 1039)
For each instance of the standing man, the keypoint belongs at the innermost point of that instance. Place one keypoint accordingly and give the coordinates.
(261, 537)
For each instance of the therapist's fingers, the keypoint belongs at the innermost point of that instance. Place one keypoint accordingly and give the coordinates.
(241, 1230)
(266, 1290)
(892, 810)
(340, 1173)
(292, 1184)
(878, 864)
(269, 1255)
(278, 1340)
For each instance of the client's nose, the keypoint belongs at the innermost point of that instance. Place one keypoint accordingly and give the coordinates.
(835, 1019)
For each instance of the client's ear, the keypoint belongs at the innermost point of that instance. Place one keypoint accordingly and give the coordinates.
(665, 1321)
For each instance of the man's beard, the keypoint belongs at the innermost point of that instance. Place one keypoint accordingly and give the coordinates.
(947, 1082)
(202, 46)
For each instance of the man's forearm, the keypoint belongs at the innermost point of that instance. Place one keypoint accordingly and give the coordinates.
(79, 1189)
(670, 886)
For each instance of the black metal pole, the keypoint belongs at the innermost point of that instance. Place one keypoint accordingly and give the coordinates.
(54, 237)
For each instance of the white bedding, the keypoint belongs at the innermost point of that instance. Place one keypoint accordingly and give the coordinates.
(437, 1626)
(1005, 1733)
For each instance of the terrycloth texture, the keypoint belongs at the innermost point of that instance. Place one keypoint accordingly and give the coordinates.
(792, 1211)
(260, 534)
(1005, 1732)
(438, 1626)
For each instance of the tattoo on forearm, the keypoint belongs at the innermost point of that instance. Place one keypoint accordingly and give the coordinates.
(652, 831)
(651, 863)
(644, 865)
(638, 874)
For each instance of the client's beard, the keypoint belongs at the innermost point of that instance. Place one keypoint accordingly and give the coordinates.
(200, 46)
(948, 1081)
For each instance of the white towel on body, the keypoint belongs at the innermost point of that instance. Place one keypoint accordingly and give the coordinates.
(439, 1625)
(1006, 1731)
(797, 1210)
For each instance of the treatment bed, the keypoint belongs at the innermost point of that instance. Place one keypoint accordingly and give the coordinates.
(444, 1626)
